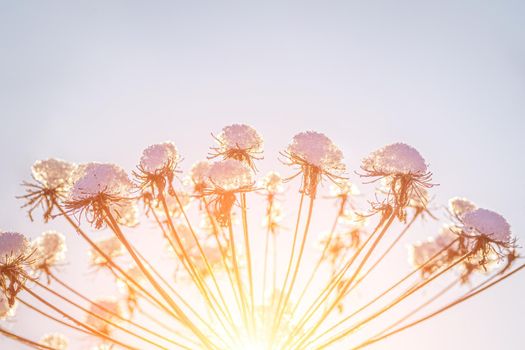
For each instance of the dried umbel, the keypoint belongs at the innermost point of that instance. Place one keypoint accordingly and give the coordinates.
(15, 259)
(240, 142)
(228, 177)
(49, 250)
(239, 285)
(53, 179)
(317, 156)
(55, 340)
(6, 310)
(103, 189)
(405, 172)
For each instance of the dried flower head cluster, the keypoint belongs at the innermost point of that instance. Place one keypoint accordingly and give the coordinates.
(230, 280)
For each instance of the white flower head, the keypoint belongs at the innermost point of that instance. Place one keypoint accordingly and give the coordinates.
(111, 247)
(318, 150)
(460, 206)
(159, 157)
(273, 183)
(6, 311)
(199, 173)
(14, 246)
(488, 223)
(397, 158)
(101, 178)
(109, 307)
(231, 175)
(49, 249)
(344, 188)
(53, 173)
(55, 340)
(240, 137)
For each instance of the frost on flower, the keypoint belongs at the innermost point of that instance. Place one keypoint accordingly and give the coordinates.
(487, 223)
(240, 136)
(111, 247)
(55, 340)
(6, 310)
(316, 149)
(49, 249)
(397, 158)
(106, 308)
(199, 175)
(101, 179)
(441, 249)
(53, 173)
(230, 175)
(459, 206)
(240, 142)
(272, 183)
(13, 248)
(159, 158)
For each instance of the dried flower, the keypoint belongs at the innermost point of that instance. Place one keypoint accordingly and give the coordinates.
(49, 250)
(240, 142)
(459, 206)
(111, 247)
(55, 340)
(199, 175)
(317, 156)
(101, 189)
(126, 213)
(272, 183)
(397, 158)
(53, 182)
(159, 157)
(15, 256)
(487, 223)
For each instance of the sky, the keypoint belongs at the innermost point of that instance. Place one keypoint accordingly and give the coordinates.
(101, 80)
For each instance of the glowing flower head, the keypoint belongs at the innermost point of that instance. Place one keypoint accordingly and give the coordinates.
(397, 158)
(126, 213)
(53, 173)
(487, 223)
(199, 175)
(55, 341)
(273, 183)
(107, 309)
(230, 175)
(240, 142)
(49, 249)
(13, 247)
(159, 157)
(110, 246)
(101, 179)
(316, 149)
(460, 206)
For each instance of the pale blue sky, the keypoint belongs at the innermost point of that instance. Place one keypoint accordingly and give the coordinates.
(100, 80)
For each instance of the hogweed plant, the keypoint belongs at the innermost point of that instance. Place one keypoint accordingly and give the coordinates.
(230, 290)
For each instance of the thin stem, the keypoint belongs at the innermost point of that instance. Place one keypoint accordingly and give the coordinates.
(24, 340)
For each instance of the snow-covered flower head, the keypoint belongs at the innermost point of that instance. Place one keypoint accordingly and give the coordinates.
(53, 173)
(396, 158)
(53, 181)
(49, 249)
(272, 183)
(460, 206)
(55, 340)
(316, 149)
(230, 175)
(101, 179)
(107, 309)
(160, 157)
(487, 223)
(404, 172)
(240, 142)
(317, 156)
(14, 246)
(199, 175)
(111, 247)
(6, 310)
(101, 189)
